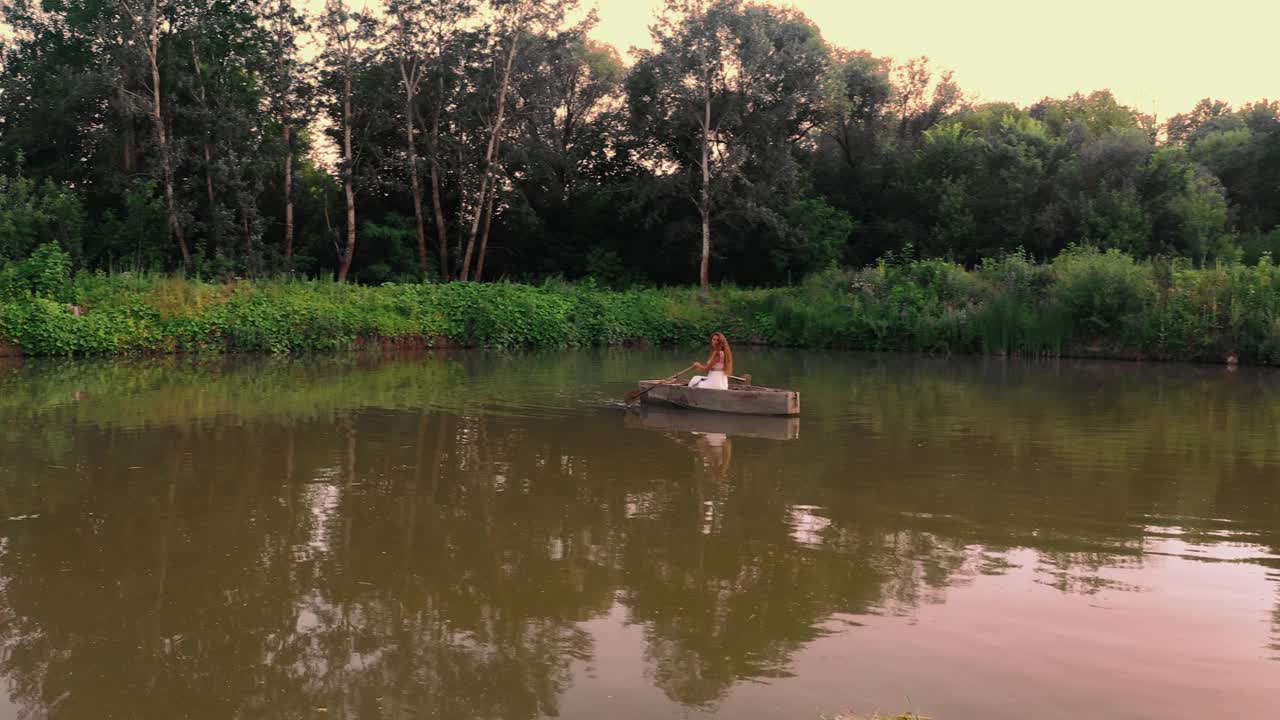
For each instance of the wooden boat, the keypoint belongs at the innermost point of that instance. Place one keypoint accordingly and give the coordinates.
(673, 419)
(738, 399)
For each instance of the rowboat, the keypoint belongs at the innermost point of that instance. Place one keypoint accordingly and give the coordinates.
(680, 420)
(738, 399)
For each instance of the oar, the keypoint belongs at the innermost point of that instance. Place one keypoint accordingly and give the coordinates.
(745, 379)
(636, 394)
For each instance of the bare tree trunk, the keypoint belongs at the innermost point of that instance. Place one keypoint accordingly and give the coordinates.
(462, 210)
(704, 207)
(348, 186)
(437, 207)
(128, 139)
(204, 107)
(215, 226)
(170, 200)
(208, 174)
(285, 73)
(249, 264)
(127, 158)
(288, 191)
(410, 77)
(490, 155)
(162, 139)
(484, 236)
(413, 179)
(475, 224)
(441, 232)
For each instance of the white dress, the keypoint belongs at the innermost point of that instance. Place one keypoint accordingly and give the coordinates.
(715, 379)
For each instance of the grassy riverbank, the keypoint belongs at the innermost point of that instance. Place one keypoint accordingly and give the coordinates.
(1083, 303)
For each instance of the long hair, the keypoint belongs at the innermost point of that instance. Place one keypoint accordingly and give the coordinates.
(728, 352)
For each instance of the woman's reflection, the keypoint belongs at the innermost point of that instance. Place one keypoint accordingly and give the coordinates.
(716, 450)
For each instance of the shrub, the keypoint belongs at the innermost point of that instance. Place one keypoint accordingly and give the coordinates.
(1257, 245)
(1100, 291)
(606, 268)
(36, 214)
(1006, 305)
(44, 274)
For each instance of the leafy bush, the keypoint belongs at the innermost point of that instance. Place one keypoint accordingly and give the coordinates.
(1016, 274)
(1100, 291)
(817, 234)
(1255, 246)
(1084, 301)
(34, 214)
(44, 274)
(605, 267)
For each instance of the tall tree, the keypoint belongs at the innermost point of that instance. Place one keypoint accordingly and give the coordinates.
(566, 160)
(857, 95)
(728, 84)
(429, 35)
(1183, 127)
(920, 99)
(287, 93)
(146, 18)
(218, 51)
(690, 78)
(421, 36)
(514, 19)
(206, 115)
(407, 45)
(348, 36)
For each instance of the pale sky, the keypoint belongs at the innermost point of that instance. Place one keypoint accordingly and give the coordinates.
(1159, 56)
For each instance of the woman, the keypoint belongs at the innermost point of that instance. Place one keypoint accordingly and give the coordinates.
(719, 366)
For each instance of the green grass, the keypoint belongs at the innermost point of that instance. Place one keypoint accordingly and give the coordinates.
(1083, 303)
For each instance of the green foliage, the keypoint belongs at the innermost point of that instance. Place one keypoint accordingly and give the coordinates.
(758, 71)
(44, 327)
(1118, 221)
(1087, 301)
(605, 267)
(44, 274)
(1099, 112)
(34, 214)
(133, 236)
(1101, 291)
(1015, 317)
(393, 239)
(1256, 245)
(1203, 212)
(819, 233)
(599, 171)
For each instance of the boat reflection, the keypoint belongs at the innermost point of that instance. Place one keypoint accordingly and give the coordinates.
(711, 424)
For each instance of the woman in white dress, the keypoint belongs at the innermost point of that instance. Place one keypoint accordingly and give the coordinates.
(719, 366)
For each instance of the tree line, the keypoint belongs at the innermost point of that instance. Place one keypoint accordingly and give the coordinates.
(473, 139)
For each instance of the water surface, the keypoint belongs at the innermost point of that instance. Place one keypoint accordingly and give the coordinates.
(475, 535)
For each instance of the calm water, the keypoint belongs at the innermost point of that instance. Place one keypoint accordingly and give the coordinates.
(486, 536)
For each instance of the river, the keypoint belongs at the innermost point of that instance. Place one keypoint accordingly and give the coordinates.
(482, 535)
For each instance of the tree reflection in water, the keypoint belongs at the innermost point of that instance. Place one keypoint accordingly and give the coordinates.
(374, 561)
